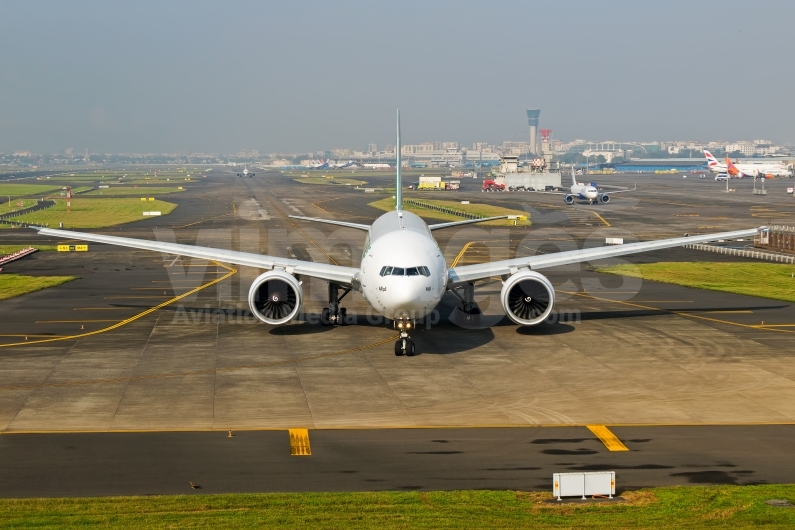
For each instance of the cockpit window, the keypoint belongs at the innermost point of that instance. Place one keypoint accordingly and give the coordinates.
(400, 271)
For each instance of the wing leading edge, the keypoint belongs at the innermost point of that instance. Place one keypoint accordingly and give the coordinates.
(469, 273)
(324, 271)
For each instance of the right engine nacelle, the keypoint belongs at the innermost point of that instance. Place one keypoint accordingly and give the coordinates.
(275, 297)
(527, 298)
(604, 198)
(568, 199)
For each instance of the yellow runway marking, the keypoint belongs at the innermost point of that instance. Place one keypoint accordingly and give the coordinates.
(202, 221)
(730, 311)
(461, 254)
(132, 318)
(299, 442)
(682, 313)
(610, 440)
(600, 218)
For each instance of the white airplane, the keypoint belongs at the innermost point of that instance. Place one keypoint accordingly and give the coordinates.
(403, 273)
(246, 172)
(762, 168)
(587, 192)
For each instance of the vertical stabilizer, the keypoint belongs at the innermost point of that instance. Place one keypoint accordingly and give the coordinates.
(398, 164)
(573, 176)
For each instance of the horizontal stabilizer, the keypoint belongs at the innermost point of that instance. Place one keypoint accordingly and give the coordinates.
(357, 226)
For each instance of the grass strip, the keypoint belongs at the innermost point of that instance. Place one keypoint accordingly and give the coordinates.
(12, 285)
(679, 507)
(18, 190)
(763, 280)
(138, 191)
(95, 212)
(10, 249)
(484, 210)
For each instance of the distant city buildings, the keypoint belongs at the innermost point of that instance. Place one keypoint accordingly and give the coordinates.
(445, 153)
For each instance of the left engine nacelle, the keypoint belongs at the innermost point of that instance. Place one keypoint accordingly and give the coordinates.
(604, 198)
(275, 297)
(527, 298)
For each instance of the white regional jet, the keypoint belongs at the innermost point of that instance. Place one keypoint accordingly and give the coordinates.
(403, 273)
(586, 192)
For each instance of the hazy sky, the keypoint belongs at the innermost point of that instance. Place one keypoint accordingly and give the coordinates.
(167, 76)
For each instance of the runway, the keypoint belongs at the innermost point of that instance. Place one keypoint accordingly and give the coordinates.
(75, 465)
(150, 342)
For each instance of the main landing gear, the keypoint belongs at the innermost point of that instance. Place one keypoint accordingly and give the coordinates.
(469, 312)
(404, 345)
(334, 315)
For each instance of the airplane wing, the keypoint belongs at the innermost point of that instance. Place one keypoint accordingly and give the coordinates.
(439, 226)
(469, 273)
(357, 226)
(324, 271)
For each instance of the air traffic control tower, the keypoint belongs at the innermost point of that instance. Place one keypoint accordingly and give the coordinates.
(532, 121)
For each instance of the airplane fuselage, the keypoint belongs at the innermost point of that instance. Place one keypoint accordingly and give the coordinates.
(403, 271)
(584, 192)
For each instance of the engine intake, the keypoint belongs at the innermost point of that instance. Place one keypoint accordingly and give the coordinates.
(527, 298)
(275, 297)
(605, 198)
(568, 199)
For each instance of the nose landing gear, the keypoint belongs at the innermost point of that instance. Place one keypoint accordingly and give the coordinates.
(404, 345)
(334, 315)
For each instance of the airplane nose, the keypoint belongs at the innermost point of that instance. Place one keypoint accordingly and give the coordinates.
(405, 293)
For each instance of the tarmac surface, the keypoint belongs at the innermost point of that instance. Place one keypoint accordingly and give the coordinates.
(144, 342)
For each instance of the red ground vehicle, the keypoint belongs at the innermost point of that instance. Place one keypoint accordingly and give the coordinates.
(490, 185)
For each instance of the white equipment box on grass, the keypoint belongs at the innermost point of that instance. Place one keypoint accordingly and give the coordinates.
(582, 484)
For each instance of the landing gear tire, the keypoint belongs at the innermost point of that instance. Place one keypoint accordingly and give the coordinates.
(325, 317)
(341, 317)
(405, 347)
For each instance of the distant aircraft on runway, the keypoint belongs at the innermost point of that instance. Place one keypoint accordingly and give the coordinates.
(403, 274)
(246, 172)
(586, 192)
(747, 169)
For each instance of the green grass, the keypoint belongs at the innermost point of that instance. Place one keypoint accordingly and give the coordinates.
(5, 208)
(764, 280)
(10, 249)
(340, 181)
(96, 212)
(18, 190)
(730, 507)
(12, 285)
(142, 191)
(486, 210)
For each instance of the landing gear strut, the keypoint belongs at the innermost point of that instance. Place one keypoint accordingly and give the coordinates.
(334, 314)
(404, 345)
(469, 311)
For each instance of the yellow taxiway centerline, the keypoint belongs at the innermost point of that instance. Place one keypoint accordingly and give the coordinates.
(231, 272)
